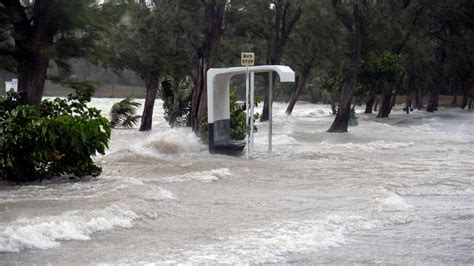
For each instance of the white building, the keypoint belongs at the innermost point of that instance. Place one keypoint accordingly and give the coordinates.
(11, 85)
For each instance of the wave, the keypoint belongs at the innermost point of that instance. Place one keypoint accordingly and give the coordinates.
(277, 241)
(203, 177)
(369, 146)
(47, 232)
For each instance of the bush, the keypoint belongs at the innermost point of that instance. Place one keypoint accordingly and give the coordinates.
(56, 139)
(237, 119)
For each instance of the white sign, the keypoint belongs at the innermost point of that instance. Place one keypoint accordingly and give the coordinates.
(247, 59)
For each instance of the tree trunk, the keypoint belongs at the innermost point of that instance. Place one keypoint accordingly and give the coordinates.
(349, 81)
(384, 110)
(465, 94)
(419, 99)
(151, 90)
(199, 88)
(282, 31)
(32, 59)
(300, 84)
(369, 104)
(176, 101)
(31, 78)
(266, 100)
(206, 55)
(472, 97)
(433, 99)
(437, 78)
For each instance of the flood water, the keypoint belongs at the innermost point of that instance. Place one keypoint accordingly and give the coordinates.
(393, 191)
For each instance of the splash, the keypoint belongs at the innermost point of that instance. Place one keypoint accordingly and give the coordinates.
(47, 232)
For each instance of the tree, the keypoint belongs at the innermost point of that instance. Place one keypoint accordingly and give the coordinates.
(285, 19)
(354, 24)
(45, 30)
(149, 45)
(313, 46)
(203, 25)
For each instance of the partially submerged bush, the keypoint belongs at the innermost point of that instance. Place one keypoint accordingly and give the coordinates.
(56, 139)
(237, 119)
(123, 113)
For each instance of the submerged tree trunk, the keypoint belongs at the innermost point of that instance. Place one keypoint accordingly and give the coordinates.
(300, 84)
(356, 30)
(419, 99)
(369, 104)
(465, 94)
(384, 110)
(437, 78)
(433, 99)
(472, 97)
(151, 90)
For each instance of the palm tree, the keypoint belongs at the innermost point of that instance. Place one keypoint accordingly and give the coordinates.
(123, 115)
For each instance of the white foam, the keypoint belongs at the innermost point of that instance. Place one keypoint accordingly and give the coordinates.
(369, 146)
(158, 194)
(204, 176)
(173, 141)
(47, 232)
(390, 200)
(277, 241)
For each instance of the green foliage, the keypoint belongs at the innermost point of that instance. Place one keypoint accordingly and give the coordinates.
(378, 71)
(184, 88)
(122, 114)
(56, 139)
(237, 119)
(331, 88)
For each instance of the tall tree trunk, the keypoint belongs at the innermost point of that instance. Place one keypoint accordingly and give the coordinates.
(432, 100)
(356, 30)
(369, 104)
(419, 99)
(437, 78)
(465, 94)
(32, 59)
(282, 31)
(206, 55)
(151, 90)
(384, 110)
(199, 88)
(176, 101)
(300, 84)
(472, 97)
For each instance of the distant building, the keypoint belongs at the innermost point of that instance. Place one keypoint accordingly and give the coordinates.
(11, 85)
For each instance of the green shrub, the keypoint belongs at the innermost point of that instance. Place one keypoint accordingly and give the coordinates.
(122, 114)
(237, 119)
(331, 89)
(56, 139)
